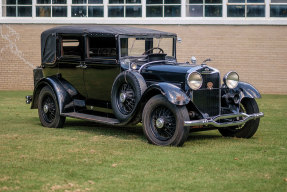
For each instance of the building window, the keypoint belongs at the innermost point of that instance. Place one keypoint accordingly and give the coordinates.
(204, 8)
(160, 8)
(51, 8)
(278, 8)
(246, 8)
(125, 8)
(87, 8)
(17, 8)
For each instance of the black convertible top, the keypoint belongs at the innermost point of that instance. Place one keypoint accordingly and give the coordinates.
(104, 29)
(48, 37)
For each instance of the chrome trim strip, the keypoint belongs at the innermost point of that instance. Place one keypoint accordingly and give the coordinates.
(152, 62)
(213, 120)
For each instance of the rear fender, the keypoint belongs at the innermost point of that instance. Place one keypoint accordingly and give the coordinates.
(62, 89)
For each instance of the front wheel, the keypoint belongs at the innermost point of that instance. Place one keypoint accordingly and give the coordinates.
(48, 109)
(163, 122)
(249, 106)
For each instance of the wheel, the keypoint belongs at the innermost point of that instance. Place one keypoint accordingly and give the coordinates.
(249, 106)
(126, 93)
(48, 109)
(163, 122)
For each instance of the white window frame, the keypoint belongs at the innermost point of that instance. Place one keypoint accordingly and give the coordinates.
(245, 4)
(51, 5)
(125, 4)
(87, 5)
(203, 7)
(163, 6)
(269, 7)
(183, 20)
(17, 6)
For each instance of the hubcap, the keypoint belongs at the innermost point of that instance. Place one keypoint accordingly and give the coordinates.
(46, 108)
(123, 97)
(126, 99)
(159, 123)
(163, 123)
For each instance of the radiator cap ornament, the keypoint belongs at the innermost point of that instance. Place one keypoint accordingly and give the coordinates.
(210, 85)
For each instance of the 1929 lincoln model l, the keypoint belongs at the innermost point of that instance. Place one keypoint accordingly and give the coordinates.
(123, 75)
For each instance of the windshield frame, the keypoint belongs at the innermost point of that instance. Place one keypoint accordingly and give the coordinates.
(174, 37)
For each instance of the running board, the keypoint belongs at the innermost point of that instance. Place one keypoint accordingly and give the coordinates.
(94, 118)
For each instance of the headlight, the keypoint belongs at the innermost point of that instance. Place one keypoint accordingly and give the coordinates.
(231, 79)
(194, 80)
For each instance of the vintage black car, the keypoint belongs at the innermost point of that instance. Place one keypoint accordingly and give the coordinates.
(123, 75)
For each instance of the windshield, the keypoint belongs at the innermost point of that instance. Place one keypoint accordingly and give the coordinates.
(138, 46)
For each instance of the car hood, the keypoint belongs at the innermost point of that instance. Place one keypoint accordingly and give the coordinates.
(173, 73)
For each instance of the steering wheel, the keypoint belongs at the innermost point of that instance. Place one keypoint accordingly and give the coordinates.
(160, 50)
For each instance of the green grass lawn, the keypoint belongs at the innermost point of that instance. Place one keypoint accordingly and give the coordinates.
(84, 156)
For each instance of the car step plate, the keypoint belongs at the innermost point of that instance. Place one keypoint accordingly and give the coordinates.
(99, 119)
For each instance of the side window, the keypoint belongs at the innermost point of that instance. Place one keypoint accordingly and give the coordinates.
(71, 47)
(102, 47)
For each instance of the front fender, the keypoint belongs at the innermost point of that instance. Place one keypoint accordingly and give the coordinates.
(173, 93)
(63, 97)
(247, 90)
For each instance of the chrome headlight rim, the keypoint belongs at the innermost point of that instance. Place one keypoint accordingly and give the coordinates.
(192, 85)
(230, 81)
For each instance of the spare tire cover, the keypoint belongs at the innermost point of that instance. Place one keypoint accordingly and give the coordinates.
(127, 90)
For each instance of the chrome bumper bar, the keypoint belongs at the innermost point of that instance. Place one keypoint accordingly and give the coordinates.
(213, 121)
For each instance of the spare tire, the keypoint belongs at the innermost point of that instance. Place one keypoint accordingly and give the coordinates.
(127, 90)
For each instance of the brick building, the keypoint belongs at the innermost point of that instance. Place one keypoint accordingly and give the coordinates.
(248, 36)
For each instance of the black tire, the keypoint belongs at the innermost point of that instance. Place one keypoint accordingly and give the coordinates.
(170, 130)
(48, 109)
(131, 85)
(249, 106)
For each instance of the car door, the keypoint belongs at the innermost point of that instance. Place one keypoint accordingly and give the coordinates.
(71, 62)
(101, 69)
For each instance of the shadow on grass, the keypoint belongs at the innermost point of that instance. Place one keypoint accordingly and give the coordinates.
(124, 131)
(108, 130)
(202, 136)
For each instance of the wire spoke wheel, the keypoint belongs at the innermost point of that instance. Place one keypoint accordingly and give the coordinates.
(126, 98)
(248, 129)
(241, 110)
(163, 123)
(48, 109)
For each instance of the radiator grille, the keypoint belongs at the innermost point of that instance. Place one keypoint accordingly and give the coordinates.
(207, 101)
(214, 78)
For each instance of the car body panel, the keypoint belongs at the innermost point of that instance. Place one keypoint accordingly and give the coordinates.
(174, 94)
(248, 90)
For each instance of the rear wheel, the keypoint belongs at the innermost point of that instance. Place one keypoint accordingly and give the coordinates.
(249, 106)
(163, 122)
(48, 109)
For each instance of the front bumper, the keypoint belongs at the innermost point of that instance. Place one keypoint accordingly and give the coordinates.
(215, 121)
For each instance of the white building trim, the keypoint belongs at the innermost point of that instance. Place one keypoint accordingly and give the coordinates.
(146, 21)
(0, 9)
(183, 20)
